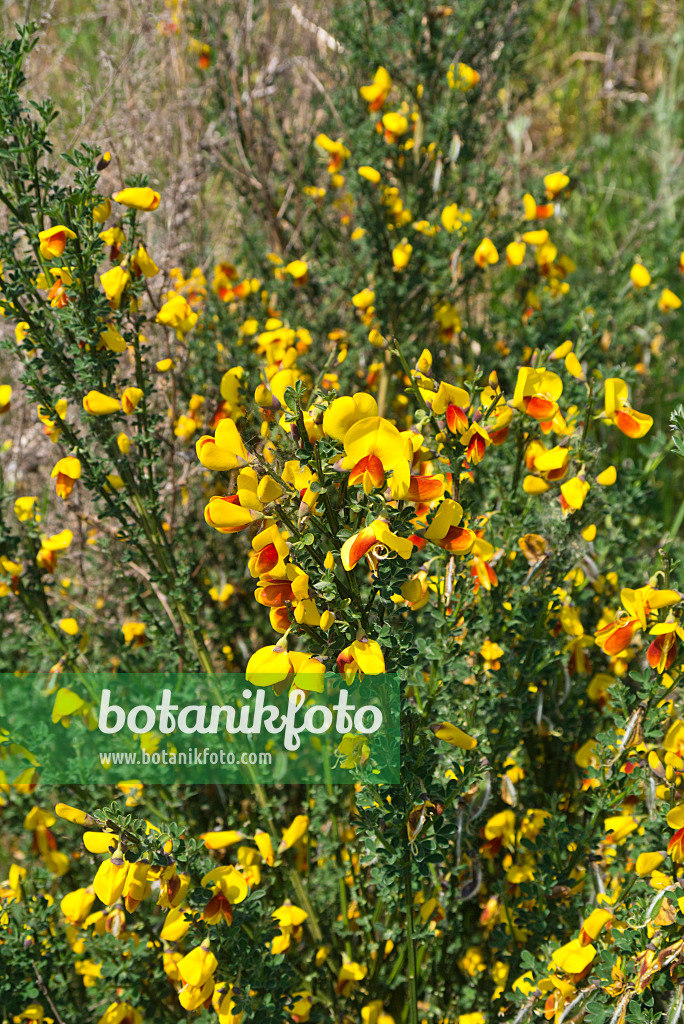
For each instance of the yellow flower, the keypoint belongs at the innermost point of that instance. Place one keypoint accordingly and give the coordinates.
(537, 237)
(573, 957)
(370, 174)
(646, 863)
(49, 548)
(269, 666)
(608, 477)
(486, 253)
(401, 254)
(225, 450)
(130, 399)
(344, 412)
(336, 151)
(265, 846)
(77, 905)
(73, 814)
(24, 509)
(229, 887)
(198, 965)
(133, 633)
(395, 126)
(66, 472)
(98, 404)
(300, 1009)
(112, 339)
(619, 411)
(192, 997)
(299, 271)
(618, 827)
(574, 367)
(177, 313)
(138, 198)
(453, 219)
(110, 878)
(143, 263)
(294, 832)
(364, 656)
(363, 299)
(491, 652)
(515, 253)
(113, 236)
(136, 887)
(555, 183)
(114, 282)
(537, 393)
(221, 840)
(376, 93)
(640, 276)
(120, 1013)
(102, 211)
(501, 825)
(525, 983)
(100, 842)
(453, 735)
(594, 924)
(472, 962)
(374, 447)
(53, 241)
(462, 77)
(375, 542)
(289, 918)
(668, 301)
(350, 973)
(223, 1003)
(573, 493)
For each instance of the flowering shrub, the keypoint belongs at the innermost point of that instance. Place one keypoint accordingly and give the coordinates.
(415, 439)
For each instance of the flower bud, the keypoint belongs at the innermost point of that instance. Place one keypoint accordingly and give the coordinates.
(74, 815)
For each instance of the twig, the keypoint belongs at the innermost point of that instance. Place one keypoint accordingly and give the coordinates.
(44, 989)
(159, 595)
(323, 38)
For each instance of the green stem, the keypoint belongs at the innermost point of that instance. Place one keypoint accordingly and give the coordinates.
(518, 460)
(587, 419)
(411, 947)
(396, 348)
(292, 873)
(356, 597)
(332, 521)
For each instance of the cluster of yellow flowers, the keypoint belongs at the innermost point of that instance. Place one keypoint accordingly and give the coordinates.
(120, 885)
(351, 513)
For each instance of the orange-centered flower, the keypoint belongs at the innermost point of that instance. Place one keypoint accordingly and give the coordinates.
(374, 447)
(66, 473)
(376, 542)
(537, 393)
(376, 94)
(53, 241)
(619, 411)
(364, 656)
